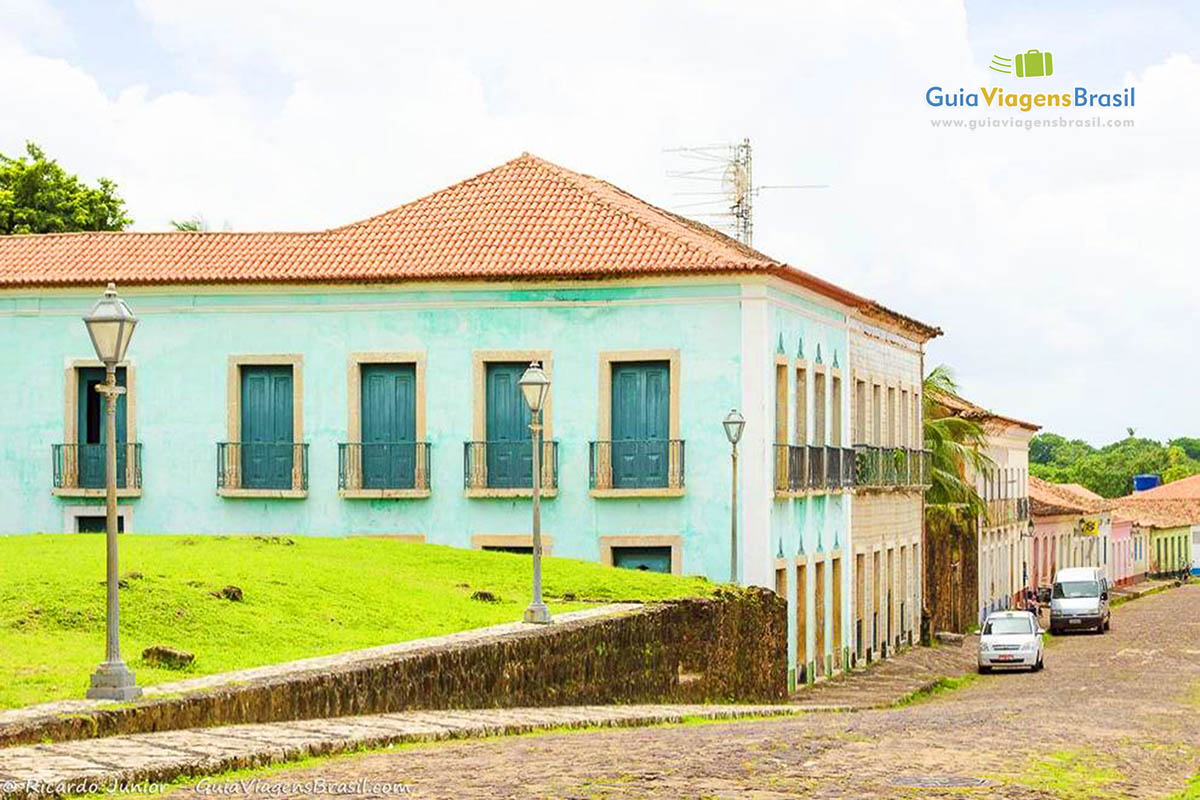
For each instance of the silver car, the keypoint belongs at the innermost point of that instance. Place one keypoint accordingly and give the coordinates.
(1010, 639)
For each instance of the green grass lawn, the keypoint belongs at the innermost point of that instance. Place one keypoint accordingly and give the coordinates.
(312, 597)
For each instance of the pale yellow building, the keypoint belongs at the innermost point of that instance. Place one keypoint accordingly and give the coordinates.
(1003, 542)
(886, 428)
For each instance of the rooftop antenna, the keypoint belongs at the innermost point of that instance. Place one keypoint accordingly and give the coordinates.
(728, 171)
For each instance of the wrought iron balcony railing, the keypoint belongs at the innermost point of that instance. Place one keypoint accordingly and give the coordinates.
(84, 466)
(508, 465)
(262, 465)
(1007, 511)
(839, 467)
(636, 464)
(890, 467)
(790, 466)
(816, 466)
(801, 468)
(383, 466)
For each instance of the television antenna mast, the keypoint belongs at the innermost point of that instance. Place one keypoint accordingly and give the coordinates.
(723, 180)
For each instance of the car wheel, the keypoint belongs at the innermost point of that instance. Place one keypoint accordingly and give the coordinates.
(1040, 665)
(984, 670)
(1108, 624)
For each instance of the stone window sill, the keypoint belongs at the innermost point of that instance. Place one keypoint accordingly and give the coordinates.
(383, 494)
(264, 494)
(482, 493)
(100, 493)
(655, 491)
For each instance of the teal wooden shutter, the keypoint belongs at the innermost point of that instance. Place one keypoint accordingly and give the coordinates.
(641, 419)
(90, 429)
(389, 426)
(267, 427)
(509, 449)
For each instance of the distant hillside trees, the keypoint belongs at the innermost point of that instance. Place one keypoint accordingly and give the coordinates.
(1109, 470)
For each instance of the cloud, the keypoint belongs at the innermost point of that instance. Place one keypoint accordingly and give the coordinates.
(1057, 262)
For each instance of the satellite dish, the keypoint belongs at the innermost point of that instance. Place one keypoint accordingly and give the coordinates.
(735, 183)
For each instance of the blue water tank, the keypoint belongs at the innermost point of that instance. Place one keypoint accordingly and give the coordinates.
(1143, 482)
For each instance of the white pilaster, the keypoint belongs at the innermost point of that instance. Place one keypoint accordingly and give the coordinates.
(757, 561)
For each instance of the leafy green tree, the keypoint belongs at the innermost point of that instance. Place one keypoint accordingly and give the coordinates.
(1044, 446)
(1109, 470)
(39, 196)
(1191, 446)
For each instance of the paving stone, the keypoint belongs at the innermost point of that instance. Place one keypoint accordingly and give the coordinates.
(163, 756)
(1130, 724)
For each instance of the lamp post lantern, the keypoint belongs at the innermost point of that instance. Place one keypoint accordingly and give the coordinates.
(1027, 533)
(535, 386)
(734, 423)
(110, 325)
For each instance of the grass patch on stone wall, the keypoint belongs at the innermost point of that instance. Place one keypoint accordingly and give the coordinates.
(301, 597)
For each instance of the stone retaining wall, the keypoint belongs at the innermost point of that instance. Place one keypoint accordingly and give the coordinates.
(729, 648)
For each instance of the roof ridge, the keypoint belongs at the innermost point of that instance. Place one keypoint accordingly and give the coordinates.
(430, 196)
(577, 180)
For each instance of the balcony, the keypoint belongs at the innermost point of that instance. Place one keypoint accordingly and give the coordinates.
(891, 467)
(647, 467)
(1007, 511)
(80, 469)
(839, 468)
(505, 469)
(262, 469)
(383, 469)
(815, 468)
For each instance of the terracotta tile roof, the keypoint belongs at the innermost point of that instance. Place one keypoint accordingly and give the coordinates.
(1080, 490)
(1048, 499)
(1149, 512)
(526, 219)
(1182, 489)
(961, 407)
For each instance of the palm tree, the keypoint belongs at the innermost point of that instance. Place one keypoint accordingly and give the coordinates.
(957, 446)
(195, 224)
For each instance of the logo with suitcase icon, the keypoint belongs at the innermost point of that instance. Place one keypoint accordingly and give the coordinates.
(1030, 64)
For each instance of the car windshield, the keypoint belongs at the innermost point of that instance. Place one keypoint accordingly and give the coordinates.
(1071, 590)
(1005, 625)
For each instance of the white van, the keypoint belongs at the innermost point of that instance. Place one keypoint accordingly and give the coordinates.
(1079, 600)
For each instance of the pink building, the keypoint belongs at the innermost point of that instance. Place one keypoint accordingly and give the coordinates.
(1122, 550)
(1069, 529)
(1127, 559)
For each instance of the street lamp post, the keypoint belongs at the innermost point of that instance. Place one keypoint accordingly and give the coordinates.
(1027, 533)
(734, 423)
(110, 326)
(536, 388)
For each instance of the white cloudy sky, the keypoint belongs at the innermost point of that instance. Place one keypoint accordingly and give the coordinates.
(1061, 264)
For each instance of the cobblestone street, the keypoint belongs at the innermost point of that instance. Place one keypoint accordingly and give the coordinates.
(1115, 715)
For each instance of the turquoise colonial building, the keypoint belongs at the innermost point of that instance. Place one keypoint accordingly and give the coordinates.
(361, 381)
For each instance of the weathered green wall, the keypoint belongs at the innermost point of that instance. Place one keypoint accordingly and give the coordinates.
(185, 337)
